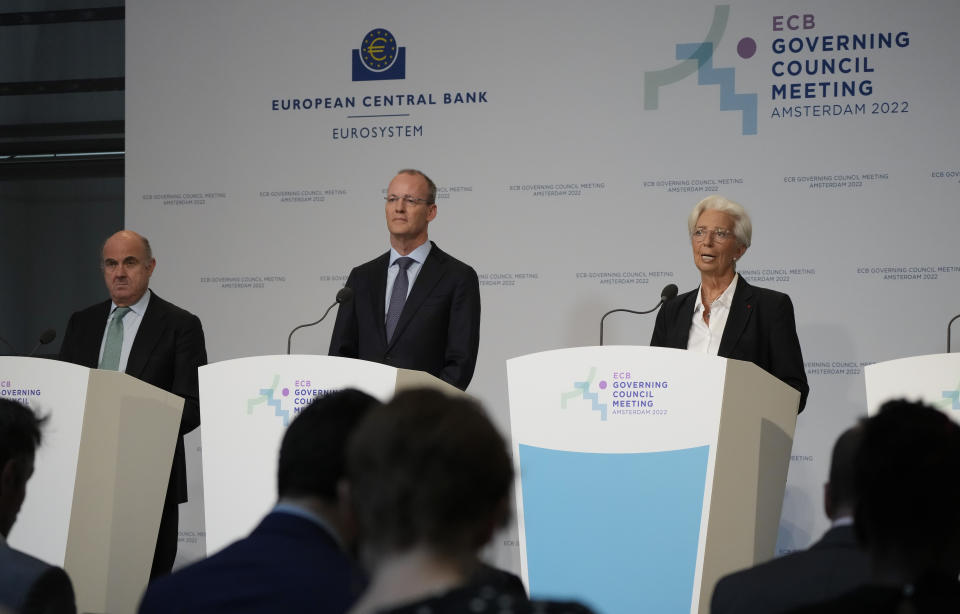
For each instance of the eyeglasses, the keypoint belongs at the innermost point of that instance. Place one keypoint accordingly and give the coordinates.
(407, 199)
(720, 235)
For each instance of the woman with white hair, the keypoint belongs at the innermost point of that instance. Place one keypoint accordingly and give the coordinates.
(726, 316)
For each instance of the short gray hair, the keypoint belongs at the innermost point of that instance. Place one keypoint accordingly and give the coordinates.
(742, 226)
(431, 186)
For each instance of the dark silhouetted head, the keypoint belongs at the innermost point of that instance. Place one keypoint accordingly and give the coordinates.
(313, 452)
(428, 470)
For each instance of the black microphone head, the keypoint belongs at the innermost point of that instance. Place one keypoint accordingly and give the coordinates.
(669, 291)
(47, 336)
(345, 295)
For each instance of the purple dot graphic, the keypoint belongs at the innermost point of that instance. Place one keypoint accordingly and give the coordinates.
(603, 384)
(746, 47)
(285, 391)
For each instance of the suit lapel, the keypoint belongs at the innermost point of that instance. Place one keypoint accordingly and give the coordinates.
(741, 310)
(149, 332)
(428, 277)
(91, 346)
(685, 317)
(378, 300)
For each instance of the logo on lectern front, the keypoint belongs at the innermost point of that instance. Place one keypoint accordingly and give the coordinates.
(581, 390)
(286, 401)
(624, 393)
(21, 394)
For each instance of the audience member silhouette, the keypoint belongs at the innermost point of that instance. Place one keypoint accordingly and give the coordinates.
(429, 477)
(27, 584)
(299, 558)
(829, 568)
(907, 514)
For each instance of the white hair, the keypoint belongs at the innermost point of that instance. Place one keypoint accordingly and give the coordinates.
(742, 227)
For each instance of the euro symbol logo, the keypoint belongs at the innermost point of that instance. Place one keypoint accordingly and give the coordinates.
(376, 47)
(378, 57)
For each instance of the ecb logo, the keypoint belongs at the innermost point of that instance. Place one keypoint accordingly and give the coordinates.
(379, 58)
(697, 58)
(581, 390)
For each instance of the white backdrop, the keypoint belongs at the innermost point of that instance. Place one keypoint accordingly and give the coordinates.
(566, 178)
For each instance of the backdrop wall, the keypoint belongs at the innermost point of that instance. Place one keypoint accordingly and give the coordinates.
(569, 140)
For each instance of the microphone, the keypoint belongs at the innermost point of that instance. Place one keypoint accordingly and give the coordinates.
(669, 291)
(949, 324)
(7, 343)
(45, 337)
(345, 295)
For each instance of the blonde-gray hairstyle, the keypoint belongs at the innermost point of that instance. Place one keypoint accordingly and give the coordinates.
(742, 227)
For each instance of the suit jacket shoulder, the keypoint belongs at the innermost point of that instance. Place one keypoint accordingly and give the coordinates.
(29, 585)
(287, 564)
(830, 567)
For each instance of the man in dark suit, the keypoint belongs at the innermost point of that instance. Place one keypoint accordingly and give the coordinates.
(414, 307)
(297, 559)
(143, 335)
(830, 567)
(27, 584)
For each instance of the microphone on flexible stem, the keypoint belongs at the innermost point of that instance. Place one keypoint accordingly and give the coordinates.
(12, 349)
(949, 324)
(45, 337)
(345, 295)
(669, 291)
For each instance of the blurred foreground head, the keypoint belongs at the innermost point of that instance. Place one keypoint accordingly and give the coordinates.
(428, 470)
(908, 508)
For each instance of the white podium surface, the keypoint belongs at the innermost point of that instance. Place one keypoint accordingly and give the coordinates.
(933, 379)
(619, 478)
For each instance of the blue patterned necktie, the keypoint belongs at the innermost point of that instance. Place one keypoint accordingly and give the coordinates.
(111, 349)
(399, 295)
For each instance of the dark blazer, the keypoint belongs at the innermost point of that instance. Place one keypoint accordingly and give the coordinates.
(760, 329)
(831, 567)
(167, 352)
(439, 328)
(287, 564)
(28, 585)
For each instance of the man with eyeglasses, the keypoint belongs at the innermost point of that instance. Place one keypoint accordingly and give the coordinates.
(414, 307)
(726, 316)
(141, 334)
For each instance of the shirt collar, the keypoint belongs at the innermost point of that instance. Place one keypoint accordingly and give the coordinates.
(139, 308)
(418, 255)
(725, 299)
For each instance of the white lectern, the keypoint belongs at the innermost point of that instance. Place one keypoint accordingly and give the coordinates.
(933, 379)
(245, 406)
(94, 502)
(645, 474)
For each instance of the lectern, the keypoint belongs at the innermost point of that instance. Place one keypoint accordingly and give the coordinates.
(933, 379)
(245, 406)
(645, 474)
(94, 502)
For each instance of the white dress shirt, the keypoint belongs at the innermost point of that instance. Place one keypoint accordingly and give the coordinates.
(706, 338)
(131, 324)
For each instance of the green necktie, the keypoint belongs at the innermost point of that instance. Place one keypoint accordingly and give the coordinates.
(111, 349)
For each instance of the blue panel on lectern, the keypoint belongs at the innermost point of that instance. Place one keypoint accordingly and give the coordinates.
(617, 531)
